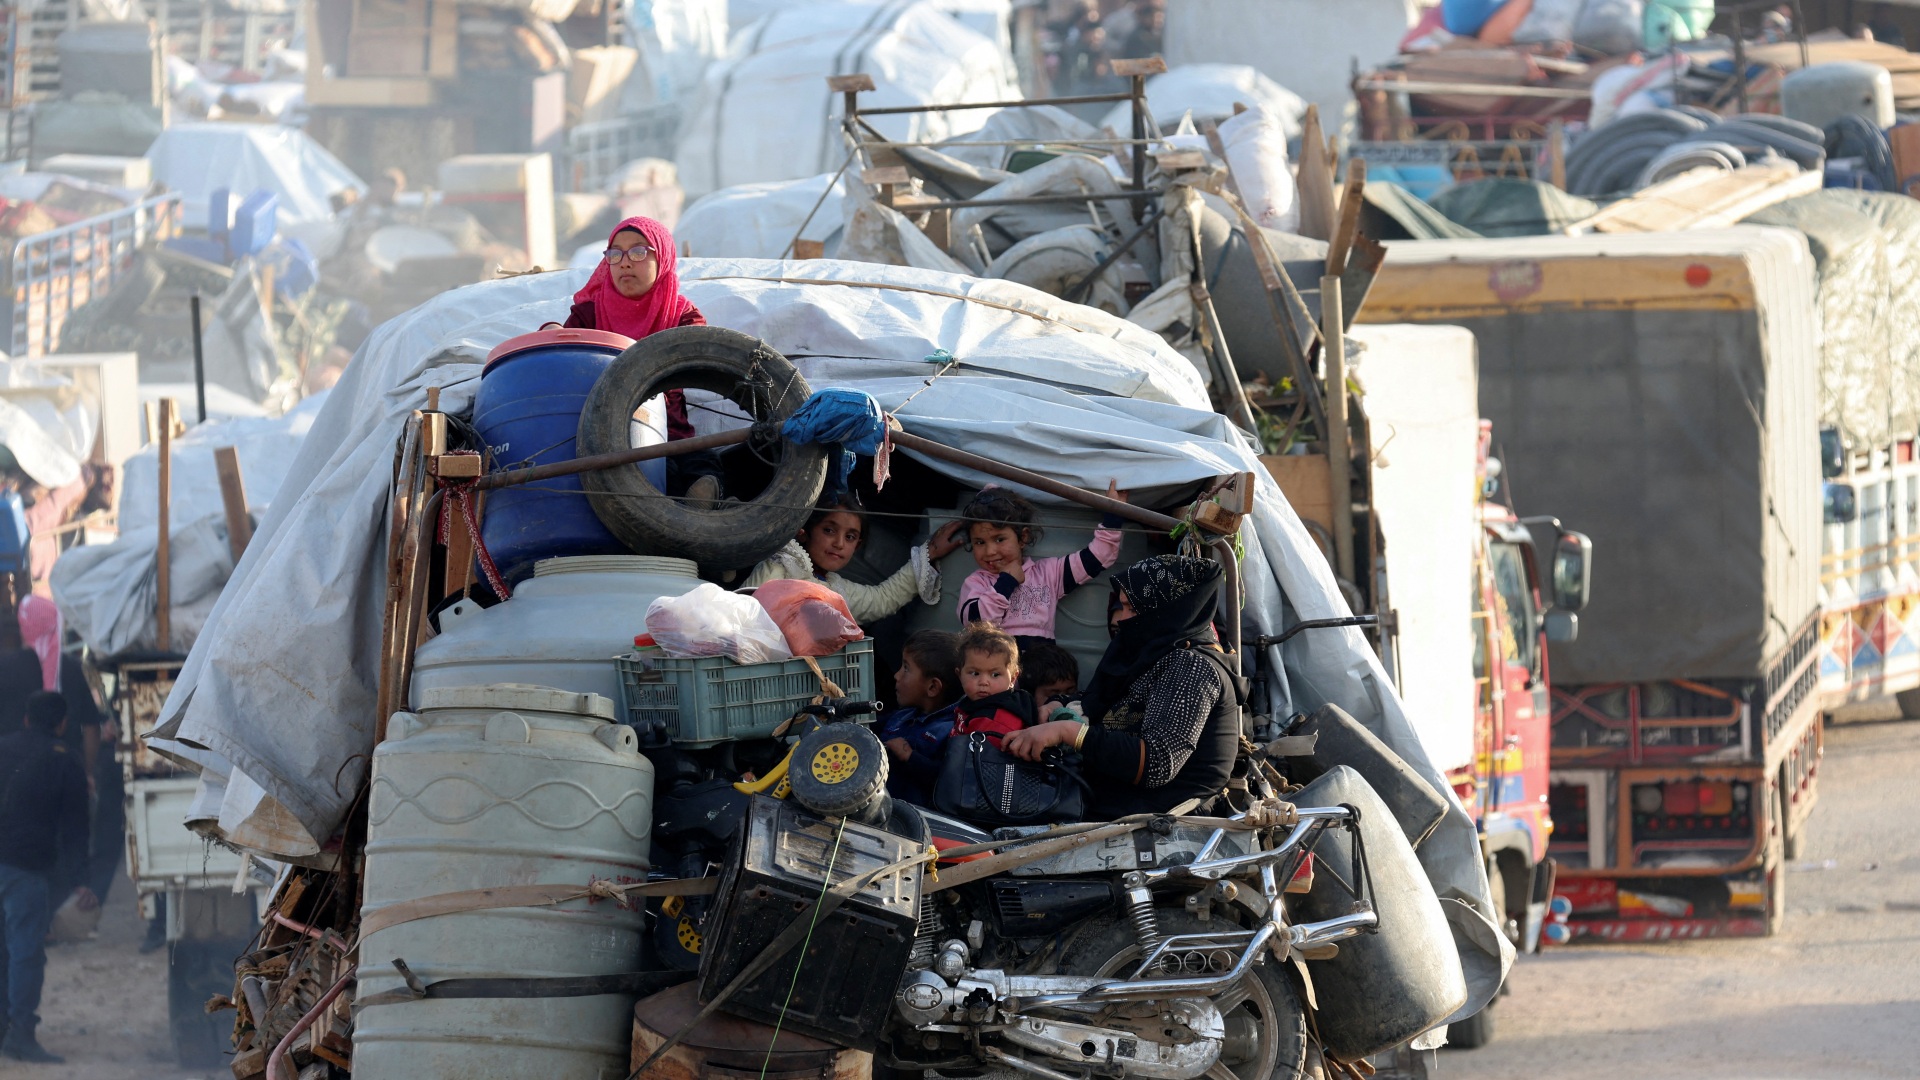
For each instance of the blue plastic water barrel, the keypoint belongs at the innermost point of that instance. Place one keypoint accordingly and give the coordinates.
(527, 411)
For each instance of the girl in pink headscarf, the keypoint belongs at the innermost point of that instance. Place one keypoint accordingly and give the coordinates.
(40, 631)
(635, 292)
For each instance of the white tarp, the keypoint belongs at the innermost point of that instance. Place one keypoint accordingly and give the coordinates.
(758, 221)
(1209, 92)
(677, 40)
(194, 159)
(266, 449)
(1423, 404)
(766, 113)
(991, 19)
(276, 700)
(1307, 45)
(47, 424)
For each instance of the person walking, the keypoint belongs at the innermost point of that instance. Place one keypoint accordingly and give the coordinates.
(43, 825)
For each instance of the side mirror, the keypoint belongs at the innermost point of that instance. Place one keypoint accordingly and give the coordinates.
(1561, 626)
(1833, 453)
(1842, 503)
(1572, 571)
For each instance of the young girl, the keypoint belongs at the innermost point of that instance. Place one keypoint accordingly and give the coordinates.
(828, 543)
(994, 704)
(1016, 593)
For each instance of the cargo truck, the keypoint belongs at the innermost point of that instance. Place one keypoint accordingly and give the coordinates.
(1661, 392)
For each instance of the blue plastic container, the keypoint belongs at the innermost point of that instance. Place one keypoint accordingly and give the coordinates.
(528, 410)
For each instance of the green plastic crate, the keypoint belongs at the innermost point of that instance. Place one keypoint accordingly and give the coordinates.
(711, 699)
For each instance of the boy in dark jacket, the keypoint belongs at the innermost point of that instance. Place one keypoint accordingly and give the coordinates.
(926, 688)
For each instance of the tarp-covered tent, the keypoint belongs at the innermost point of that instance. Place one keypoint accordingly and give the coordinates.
(766, 113)
(1209, 92)
(275, 704)
(195, 159)
(1866, 246)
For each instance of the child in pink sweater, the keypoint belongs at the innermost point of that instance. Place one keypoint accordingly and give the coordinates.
(1016, 593)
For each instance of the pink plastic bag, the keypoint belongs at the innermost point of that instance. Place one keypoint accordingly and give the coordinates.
(814, 618)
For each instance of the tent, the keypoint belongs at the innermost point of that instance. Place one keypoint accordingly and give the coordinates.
(195, 159)
(766, 113)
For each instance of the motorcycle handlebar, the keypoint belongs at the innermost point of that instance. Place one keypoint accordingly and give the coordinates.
(841, 708)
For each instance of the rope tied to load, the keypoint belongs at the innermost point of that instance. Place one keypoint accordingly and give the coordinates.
(461, 493)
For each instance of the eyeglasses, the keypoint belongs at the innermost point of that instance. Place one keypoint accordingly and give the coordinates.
(636, 253)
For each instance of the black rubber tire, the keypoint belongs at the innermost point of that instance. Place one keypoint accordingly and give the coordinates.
(1909, 702)
(196, 971)
(839, 770)
(747, 372)
(1474, 1032)
(1776, 867)
(1272, 1012)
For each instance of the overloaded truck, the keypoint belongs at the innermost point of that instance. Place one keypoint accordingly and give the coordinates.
(1661, 392)
(1467, 599)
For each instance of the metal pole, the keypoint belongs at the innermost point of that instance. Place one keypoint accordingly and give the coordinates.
(199, 359)
(1138, 515)
(1740, 60)
(1139, 132)
(1333, 344)
(537, 473)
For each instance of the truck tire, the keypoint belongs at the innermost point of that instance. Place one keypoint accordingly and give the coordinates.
(839, 770)
(196, 971)
(747, 372)
(1909, 702)
(1776, 867)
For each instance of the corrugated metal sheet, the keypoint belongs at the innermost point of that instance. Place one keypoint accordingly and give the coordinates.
(1660, 393)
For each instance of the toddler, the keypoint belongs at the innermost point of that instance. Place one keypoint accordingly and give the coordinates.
(927, 687)
(828, 542)
(1016, 593)
(989, 677)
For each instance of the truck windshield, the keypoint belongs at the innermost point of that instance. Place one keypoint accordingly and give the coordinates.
(1514, 590)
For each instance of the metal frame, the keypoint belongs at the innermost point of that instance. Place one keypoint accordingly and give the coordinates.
(595, 151)
(54, 272)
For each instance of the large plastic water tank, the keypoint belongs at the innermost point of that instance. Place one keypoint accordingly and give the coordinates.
(1823, 93)
(492, 786)
(527, 411)
(562, 628)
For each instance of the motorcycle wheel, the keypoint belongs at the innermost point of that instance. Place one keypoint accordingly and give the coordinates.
(1266, 1024)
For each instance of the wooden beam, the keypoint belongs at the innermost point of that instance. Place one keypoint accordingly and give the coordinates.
(233, 497)
(1348, 224)
(1315, 180)
(1333, 344)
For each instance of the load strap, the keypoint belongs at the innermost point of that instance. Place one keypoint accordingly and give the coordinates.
(637, 983)
(506, 896)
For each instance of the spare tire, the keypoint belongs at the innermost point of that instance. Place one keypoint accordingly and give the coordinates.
(740, 368)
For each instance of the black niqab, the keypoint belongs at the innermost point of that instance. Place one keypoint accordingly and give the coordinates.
(1174, 600)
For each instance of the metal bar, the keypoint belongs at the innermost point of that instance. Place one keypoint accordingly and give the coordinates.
(1133, 989)
(1229, 588)
(1139, 99)
(1138, 515)
(1025, 200)
(1232, 392)
(199, 359)
(962, 106)
(890, 144)
(1412, 86)
(534, 474)
(1739, 60)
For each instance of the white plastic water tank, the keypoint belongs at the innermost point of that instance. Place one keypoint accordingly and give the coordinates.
(490, 786)
(1823, 93)
(562, 628)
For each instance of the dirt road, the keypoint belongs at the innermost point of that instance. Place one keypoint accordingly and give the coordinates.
(1837, 996)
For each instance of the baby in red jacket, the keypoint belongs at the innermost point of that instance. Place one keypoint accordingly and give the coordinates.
(989, 677)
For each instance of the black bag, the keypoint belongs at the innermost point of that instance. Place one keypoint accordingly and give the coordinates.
(984, 784)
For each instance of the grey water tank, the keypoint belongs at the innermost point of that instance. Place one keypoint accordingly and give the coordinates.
(1823, 93)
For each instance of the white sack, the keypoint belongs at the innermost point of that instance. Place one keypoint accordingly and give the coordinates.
(1256, 145)
(757, 221)
(107, 593)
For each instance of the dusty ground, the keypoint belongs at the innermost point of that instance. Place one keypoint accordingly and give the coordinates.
(1837, 996)
(105, 1006)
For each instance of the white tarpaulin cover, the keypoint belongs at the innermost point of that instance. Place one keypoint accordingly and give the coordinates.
(757, 221)
(1423, 406)
(1310, 46)
(194, 159)
(47, 425)
(1209, 92)
(766, 113)
(276, 700)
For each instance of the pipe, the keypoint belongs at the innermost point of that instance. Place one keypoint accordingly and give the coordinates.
(534, 474)
(296, 927)
(279, 1055)
(1137, 515)
(962, 106)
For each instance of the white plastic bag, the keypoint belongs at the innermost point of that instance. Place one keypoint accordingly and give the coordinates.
(1256, 146)
(710, 621)
(1610, 27)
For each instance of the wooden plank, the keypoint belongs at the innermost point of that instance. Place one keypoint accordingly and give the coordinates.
(233, 498)
(163, 555)
(1702, 199)
(1348, 227)
(1315, 180)
(393, 93)
(1151, 65)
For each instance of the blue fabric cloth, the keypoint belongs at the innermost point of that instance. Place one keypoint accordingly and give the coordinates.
(849, 420)
(926, 733)
(25, 914)
(14, 535)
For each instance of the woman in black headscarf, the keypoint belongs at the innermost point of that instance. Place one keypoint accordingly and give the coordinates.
(1164, 705)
